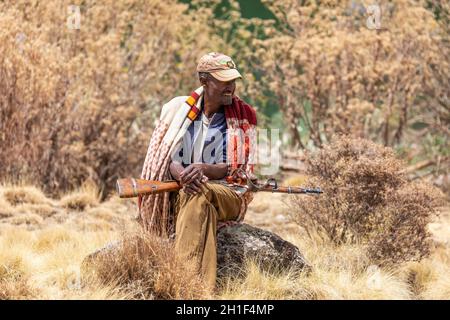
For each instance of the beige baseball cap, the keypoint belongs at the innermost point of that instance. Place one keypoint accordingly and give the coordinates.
(220, 66)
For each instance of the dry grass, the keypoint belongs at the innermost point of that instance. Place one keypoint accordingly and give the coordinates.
(338, 273)
(6, 210)
(43, 243)
(43, 261)
(344, 273)
(19, 194)
(145, 267)
(84, 198)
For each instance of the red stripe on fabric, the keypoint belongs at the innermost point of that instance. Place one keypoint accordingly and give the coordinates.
(195, 95)
(195, 109)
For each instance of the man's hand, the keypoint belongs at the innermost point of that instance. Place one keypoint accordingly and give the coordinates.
(192, 178)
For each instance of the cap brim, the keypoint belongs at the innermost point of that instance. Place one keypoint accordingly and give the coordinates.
(226, 75)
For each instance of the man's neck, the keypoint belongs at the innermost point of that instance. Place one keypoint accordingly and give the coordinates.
(210, 107)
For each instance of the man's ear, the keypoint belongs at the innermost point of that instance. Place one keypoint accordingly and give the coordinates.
(203, 79)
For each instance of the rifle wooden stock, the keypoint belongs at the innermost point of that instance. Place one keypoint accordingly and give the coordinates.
(130, 187)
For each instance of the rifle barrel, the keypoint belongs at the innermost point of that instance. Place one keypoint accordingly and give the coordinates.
(289, 189)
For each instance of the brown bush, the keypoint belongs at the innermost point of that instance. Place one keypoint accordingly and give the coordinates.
(79, 104)
(333, 74)
(367, 200)
(146, 267)
(401, 227)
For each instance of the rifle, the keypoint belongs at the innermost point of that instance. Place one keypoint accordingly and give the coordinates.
(130, 187)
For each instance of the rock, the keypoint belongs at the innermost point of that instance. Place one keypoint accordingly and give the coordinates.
(235, 243)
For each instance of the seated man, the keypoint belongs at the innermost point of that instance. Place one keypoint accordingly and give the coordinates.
(199, 141)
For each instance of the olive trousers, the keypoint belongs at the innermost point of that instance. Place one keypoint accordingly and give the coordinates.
(196, 226)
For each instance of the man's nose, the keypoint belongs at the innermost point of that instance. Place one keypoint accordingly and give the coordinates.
(229, 85)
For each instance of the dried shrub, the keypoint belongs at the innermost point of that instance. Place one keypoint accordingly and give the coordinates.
(145, 267)
(367, 200)
(401, 226)
(79, 104)
(333, 74)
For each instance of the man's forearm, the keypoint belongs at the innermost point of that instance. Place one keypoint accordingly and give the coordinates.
(212, 171)
(175, 169)
(215, 171)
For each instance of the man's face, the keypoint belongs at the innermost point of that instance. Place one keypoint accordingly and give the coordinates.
(220, 91)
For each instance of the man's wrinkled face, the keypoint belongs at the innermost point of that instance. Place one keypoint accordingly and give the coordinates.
(221, 91)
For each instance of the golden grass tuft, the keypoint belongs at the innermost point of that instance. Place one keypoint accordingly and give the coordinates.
(6, 210)
(261, 206)
(45, 263)
(439, 289)
(52, 237)
(347, 272)
(258, 284)
(16, 288)
(85, 197)
(437, 275)
(108, 213)
(418, 275)
(16, 194)
(44, 210)
(30, 219)
(145, 267)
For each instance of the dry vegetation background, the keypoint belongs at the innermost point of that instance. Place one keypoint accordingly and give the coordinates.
(77, 108)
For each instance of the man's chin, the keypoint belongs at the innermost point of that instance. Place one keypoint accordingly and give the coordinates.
(227, 101)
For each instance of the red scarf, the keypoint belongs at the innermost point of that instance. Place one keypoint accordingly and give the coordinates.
(241, 125)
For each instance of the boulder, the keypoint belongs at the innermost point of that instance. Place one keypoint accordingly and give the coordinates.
(239, 242)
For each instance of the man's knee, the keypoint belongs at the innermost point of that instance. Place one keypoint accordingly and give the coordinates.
(187, 198)
(205, 194)
(196, 212)
(194, 205)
